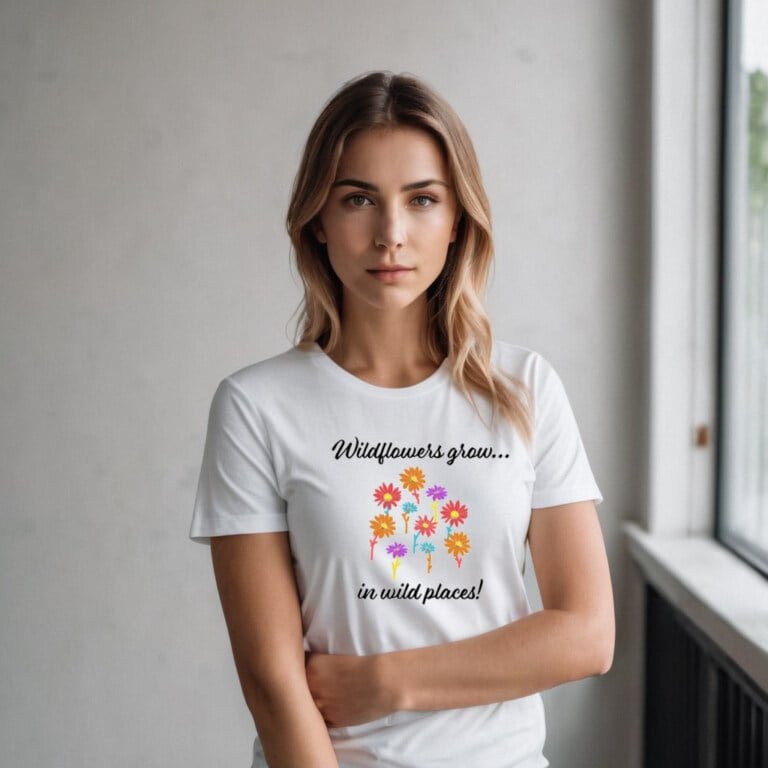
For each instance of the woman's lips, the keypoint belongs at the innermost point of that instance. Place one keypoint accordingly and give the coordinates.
(389, 275)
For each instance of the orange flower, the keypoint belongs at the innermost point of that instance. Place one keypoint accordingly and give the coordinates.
(457, 543)
(412, 479)
(383, 526)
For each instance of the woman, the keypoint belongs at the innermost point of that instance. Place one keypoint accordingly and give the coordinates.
(394, 462)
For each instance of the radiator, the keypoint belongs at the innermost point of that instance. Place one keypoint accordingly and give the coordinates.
(700, 709)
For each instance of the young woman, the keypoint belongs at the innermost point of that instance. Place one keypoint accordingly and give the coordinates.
(393, 463)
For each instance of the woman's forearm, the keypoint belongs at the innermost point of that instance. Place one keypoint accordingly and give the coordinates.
(292, 731)
(537, 652)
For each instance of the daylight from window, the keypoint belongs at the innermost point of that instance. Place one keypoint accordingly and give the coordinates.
(744, 501)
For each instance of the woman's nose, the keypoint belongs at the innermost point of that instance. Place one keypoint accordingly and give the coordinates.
(390, 228)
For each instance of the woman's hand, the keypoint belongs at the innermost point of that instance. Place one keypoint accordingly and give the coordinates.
(348, 690)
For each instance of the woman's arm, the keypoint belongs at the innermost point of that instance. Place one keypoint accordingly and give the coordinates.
(571, 638)
(257, 588)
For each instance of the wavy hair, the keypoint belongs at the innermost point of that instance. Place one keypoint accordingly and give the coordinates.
(458, 325)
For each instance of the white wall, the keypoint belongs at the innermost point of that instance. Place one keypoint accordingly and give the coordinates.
(146, 156)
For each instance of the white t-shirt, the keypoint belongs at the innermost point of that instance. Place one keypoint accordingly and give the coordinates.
(407, 520)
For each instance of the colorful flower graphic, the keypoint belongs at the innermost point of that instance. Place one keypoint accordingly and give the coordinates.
(413, 479)
(397, 550)
(382, 526)
(454, 513)
(429, 549)
(457, 545)
(387, 496)
(436, 493)
(424, 525)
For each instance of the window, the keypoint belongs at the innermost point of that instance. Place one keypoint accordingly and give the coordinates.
(742, 517)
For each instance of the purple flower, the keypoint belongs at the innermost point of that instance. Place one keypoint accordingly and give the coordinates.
(397, 549)
(437, 492)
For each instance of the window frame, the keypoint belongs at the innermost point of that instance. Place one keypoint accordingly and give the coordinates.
(685, 236)
(731, 68)
(675, 543)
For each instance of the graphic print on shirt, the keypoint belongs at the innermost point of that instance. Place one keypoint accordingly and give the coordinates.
(426, 524)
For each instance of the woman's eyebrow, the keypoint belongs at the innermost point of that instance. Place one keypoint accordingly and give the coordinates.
(373, 188)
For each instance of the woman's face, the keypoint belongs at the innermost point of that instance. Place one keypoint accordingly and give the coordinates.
(392, 204)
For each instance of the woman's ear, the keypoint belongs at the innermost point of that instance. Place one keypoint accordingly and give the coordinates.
(317, 231)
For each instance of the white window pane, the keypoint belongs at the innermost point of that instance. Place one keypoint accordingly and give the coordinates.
(744, 460)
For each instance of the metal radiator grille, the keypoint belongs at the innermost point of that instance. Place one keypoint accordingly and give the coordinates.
(701, 710)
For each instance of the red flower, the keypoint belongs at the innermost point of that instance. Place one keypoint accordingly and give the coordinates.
(387, 495)
(425, 525)
(454, 513)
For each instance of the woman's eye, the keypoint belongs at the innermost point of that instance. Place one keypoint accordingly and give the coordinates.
(425, 197)
(351, 198)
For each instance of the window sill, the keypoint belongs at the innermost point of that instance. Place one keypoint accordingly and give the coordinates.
(726, 598)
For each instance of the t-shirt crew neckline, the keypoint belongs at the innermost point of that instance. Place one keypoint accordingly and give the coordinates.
(434, 380)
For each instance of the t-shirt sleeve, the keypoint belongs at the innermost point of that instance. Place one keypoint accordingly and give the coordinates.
(563, 473)
(237, 491)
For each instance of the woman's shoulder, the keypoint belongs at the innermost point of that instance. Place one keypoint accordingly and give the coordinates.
(515, 358)
(526, 364)
(275, 373)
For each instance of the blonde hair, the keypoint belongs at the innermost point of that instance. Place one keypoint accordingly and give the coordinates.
(458, 325)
